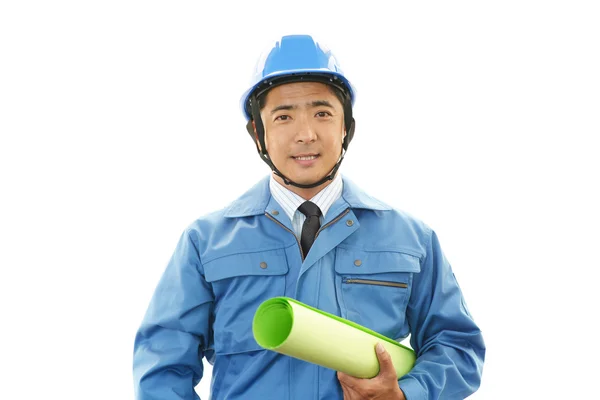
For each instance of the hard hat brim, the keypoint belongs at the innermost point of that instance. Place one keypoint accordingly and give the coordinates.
(323, 75)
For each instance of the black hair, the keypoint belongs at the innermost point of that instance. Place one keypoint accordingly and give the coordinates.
(341, 96)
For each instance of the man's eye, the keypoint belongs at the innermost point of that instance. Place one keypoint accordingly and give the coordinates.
(282, 118)
(323, 114)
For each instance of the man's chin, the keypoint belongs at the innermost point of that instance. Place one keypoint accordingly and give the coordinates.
(302, 180)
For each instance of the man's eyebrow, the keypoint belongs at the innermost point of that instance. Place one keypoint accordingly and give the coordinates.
(316, 103)
(282, 107)
(320, 103)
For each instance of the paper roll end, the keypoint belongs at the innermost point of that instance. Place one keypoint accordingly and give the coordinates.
(273, 322)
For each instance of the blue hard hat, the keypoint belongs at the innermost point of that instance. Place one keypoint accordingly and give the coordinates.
(296, 56)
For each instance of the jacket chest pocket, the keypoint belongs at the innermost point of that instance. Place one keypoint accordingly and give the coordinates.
(241, 282)
(373, 288)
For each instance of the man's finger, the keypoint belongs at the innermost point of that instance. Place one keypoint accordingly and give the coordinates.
(386, 366)
(347, 380)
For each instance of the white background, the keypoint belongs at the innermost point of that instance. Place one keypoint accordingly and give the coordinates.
(120, 125)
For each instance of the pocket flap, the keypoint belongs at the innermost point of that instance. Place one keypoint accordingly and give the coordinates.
(356, 262)
(266, 263)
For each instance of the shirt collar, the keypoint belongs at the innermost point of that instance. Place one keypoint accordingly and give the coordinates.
(255, 200)
(290, 201)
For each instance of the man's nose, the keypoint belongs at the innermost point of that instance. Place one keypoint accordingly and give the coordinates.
(306, 132)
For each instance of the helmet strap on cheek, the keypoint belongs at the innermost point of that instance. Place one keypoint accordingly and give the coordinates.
(349, 123)
(259, 138)
(260, 129)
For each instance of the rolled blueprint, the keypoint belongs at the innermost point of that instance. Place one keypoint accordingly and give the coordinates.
(289, 327)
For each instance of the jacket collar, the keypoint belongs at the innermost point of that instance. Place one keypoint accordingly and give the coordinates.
(255, 200)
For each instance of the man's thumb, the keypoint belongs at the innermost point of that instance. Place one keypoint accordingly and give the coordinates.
(385, 360)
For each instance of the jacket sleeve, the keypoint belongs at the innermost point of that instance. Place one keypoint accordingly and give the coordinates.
(449, 346)
(176, 330)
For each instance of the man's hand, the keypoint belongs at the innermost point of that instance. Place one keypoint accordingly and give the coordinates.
(382, 387)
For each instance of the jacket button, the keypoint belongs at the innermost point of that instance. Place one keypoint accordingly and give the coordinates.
(358, 263)
(263, 265)
(349, 222)
(275, 212)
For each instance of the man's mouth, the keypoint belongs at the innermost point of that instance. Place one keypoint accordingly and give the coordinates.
(305, 157)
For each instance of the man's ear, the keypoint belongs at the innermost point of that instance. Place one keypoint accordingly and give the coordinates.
(251, 128)
(256, 136)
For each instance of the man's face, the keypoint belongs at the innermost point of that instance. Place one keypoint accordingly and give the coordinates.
(304, 130)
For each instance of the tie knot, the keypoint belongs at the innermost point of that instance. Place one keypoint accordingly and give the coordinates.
(310, 209)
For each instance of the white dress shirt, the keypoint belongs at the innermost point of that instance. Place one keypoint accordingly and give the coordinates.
(290, 201)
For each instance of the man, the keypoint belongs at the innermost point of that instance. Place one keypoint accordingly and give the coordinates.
(307, 233)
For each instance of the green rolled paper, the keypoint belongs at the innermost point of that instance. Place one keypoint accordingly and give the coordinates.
(289, 327)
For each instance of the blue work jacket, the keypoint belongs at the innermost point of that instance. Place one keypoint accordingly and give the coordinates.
(228, 262)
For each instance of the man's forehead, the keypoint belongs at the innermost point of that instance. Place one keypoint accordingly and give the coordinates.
(301, 93)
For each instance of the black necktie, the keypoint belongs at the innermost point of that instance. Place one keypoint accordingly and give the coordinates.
(311, 224)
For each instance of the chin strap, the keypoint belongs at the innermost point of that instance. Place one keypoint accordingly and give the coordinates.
(262, 149)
